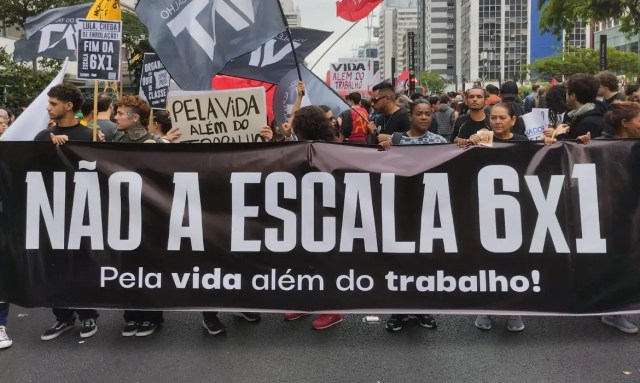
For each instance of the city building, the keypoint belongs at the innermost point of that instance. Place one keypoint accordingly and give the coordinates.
(292, 13)
(396, 18)
(495, 39)
(437, 38)
(615, 38)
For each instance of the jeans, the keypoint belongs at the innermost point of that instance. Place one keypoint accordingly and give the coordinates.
(69, 315)
(4, 313)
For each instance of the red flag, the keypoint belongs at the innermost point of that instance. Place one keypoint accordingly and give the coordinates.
(354, 10)
(222, 82)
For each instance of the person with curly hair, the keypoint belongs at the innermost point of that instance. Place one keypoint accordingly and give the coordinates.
(64, 101)
(310, 124)
(132, 119)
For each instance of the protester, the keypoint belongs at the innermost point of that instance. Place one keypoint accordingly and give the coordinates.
(4, 122)
(632, 93)
(530, 100)
(445, 116)
(608, 88)
(310, 124)
(354, 121)
(328, 114)
(392, 118)
(64, 101)
(624, 119)
(161, 125)
(87, 113)
(585, 120)
(403, 101)
(132, 119)
(556, 100)
(503, 118)
(105, 112)
(493, 95)
(5, 339)
(476, 120)
(509, 95)
(419, 134)
(435, 105)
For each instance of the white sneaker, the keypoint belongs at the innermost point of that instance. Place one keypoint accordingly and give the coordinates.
(5, 340)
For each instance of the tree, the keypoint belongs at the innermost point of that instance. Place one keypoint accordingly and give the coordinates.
(16, 12)
(434, 82)
(20, 84)
(557, 16)
(582, 60)
(135, 39)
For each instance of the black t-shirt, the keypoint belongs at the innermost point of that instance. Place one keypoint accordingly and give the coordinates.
(75, 133)
(516, 137)
(465, 127)
(397, 122)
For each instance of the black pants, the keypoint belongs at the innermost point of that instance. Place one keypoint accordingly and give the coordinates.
(143, 316)
(69, 315)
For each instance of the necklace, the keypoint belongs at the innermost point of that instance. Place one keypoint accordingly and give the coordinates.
(385, 122)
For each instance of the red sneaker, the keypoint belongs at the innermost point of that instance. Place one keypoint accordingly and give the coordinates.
(294, 316)
(326, 321)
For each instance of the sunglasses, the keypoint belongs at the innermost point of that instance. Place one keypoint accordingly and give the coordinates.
(375, 100)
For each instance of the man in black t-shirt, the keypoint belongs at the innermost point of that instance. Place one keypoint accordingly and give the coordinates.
(64, 101)
(476, 120)
(392, 119)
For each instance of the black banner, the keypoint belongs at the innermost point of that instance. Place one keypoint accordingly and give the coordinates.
(322, 227)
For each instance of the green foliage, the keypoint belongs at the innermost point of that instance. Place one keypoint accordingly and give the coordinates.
(581, 60)
(15, 12)
(434, 82)
(557, 16)
(20, 84)
(135, 39)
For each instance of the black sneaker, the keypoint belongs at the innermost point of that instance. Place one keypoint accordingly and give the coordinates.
(213, 326)
(396, 322)
(57, 329)
(89, 328)
(130, 329)
(249, 317)
(146, 328)
(425, 321)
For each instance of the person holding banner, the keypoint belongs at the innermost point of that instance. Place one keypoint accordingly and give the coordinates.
(64, 101)
(392, 119)
(477, 119)
(503, 118)
(420, 116)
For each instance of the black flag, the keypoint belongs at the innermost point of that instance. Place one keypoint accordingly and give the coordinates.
(317, 93)
(272, 61)
(51, 34)
(196, 38)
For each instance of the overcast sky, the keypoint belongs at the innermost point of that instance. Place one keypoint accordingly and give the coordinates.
(321, 14)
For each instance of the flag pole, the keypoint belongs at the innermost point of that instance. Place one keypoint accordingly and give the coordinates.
(95, 110)
(334, 44)
(293, 48)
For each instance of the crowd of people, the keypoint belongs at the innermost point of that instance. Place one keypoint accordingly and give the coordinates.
(583, 108)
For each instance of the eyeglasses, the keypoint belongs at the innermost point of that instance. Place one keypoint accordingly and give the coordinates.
(375, 100)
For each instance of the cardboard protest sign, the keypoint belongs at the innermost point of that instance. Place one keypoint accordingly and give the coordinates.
(352, 76)
(228, 116)
(534, 124)
(99, 44)
(154, 81)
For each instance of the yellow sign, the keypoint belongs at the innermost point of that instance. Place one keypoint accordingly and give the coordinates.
(105, 10)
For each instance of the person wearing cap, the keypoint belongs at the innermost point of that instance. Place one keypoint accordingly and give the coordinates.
(509, 95)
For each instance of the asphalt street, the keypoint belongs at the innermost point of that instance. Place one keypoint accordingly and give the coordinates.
(549, 350)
